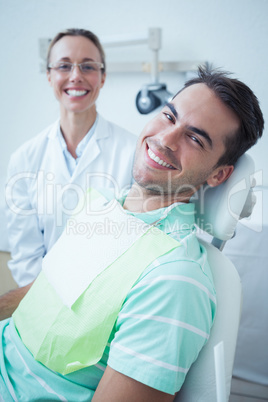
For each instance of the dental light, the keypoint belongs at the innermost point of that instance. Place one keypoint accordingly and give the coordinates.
(151, 97)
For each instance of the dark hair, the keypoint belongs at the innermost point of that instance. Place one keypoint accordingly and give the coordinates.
(78, 32)
(241, 100)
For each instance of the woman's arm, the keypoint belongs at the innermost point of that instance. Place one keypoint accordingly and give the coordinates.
(25, 237)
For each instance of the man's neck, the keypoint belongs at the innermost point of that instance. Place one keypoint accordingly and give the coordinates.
(141, 200)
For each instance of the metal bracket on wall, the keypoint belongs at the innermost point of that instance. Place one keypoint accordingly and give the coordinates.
(153, 40)
(146, 67)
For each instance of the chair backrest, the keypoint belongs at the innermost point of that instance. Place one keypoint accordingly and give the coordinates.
(200, 383)
(218, 210)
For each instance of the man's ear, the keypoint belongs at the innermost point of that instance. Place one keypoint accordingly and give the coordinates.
(219, 175)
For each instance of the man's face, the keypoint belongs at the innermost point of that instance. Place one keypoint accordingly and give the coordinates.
(178, 150)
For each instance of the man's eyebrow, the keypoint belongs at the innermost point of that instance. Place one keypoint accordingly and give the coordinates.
(172, 108)
(196, 130)
(202, 133)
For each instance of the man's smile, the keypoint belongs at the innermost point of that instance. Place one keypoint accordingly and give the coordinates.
(158, 160)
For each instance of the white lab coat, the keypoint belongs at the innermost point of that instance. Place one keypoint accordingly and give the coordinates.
(41, 194)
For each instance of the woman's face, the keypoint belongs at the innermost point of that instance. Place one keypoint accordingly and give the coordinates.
(76, 92)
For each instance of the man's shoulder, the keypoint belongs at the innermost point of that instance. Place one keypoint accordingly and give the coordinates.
(180, 263)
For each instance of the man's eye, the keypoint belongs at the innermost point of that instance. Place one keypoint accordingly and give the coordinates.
(171, 118)
(195, 139)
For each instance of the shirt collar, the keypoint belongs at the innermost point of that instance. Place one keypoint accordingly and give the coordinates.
(82, 144)
(177, 219)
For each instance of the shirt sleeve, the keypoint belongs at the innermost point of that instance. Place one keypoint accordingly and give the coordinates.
(163, 324)
(25, 238)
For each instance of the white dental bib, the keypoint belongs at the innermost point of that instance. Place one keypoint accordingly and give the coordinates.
(91, 242)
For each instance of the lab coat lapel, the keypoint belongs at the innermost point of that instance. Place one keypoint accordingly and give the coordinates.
(55, 158)
(92, 149)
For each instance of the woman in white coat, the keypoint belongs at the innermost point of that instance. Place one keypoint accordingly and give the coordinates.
(50, 173)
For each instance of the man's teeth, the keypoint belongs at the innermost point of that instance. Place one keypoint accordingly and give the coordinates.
(158, 160)
(75, 92)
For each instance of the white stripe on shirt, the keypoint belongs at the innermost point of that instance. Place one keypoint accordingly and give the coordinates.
(149, 359)
(40, 380)
(167, 320)
(177, 278)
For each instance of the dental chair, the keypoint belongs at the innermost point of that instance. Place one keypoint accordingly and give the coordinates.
(217, 213)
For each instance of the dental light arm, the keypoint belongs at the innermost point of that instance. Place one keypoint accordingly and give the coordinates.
(155, 94)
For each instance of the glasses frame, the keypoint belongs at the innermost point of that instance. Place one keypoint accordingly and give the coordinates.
(73, 65)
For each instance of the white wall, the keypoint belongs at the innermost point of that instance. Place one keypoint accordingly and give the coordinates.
(232, 34)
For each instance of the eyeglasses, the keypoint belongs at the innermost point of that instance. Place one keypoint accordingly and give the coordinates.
(87, 67)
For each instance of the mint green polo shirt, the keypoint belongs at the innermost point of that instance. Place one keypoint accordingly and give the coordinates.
(163, 324)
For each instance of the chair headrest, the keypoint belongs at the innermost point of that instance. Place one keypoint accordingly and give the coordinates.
(219, 208)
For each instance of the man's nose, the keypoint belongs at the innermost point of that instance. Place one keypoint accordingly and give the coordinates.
(171, 138)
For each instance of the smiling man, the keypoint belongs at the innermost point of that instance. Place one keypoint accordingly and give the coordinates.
(124, 319)
(179, 149)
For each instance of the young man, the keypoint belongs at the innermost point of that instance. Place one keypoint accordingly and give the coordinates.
(121, 312)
